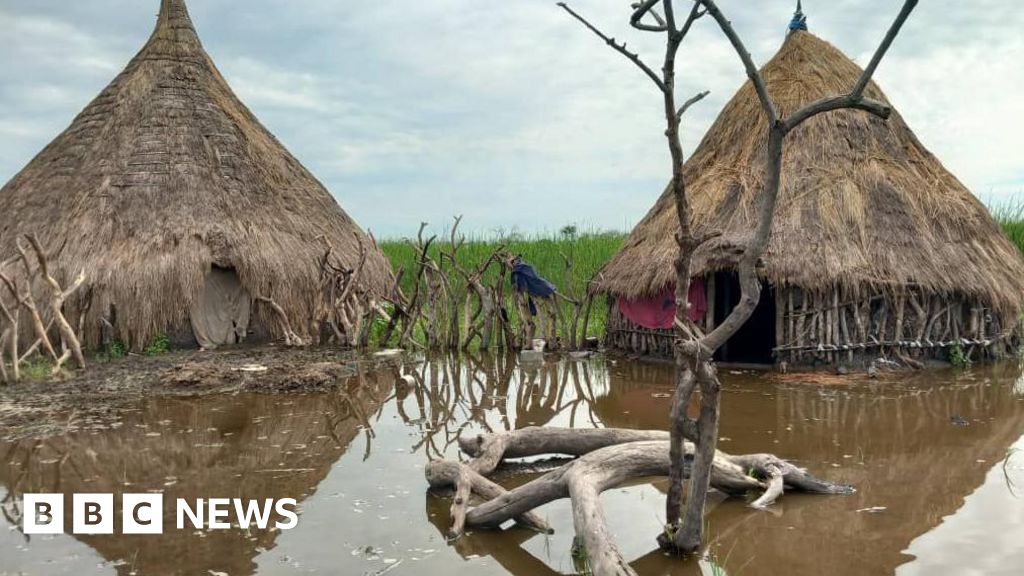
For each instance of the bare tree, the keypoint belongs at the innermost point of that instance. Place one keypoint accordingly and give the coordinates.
(609, 457)
(695, 350)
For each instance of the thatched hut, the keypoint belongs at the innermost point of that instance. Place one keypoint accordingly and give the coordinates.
(179, 205)
(876, 247)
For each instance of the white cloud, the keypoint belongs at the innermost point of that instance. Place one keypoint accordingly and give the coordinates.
(962, 103)
(262, 85)
(44, 41)
(509, 112)
(13, 128)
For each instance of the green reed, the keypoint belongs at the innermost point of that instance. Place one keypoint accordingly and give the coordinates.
(587, 250)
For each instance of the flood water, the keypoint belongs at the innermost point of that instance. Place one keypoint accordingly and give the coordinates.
(933, 494)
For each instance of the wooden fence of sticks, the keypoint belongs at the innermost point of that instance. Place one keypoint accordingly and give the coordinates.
(450, 304)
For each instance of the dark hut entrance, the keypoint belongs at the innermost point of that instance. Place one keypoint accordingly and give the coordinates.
(753, 343)
(220, 316)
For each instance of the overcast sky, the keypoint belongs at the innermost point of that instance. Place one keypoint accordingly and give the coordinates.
(507, 111)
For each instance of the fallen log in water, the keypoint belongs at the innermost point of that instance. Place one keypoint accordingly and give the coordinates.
(607, 458)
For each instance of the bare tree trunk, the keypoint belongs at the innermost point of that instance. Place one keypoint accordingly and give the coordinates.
(12, 346)
(3, 363)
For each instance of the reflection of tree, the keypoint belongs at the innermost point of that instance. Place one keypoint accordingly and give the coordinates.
(246, 446)
(10, 506)
(545, 394)
(506, 546)
(351, 403)
(892, 438)
(452, 394)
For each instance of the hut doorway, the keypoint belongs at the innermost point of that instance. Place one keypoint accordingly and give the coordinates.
(220, 316)
(754, 341)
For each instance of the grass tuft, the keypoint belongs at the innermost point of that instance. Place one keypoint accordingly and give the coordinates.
(1010, 217)
(37, 368)
(160, 345)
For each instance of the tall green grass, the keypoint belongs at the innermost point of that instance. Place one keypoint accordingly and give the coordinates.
(1010, 218)
(546, 252)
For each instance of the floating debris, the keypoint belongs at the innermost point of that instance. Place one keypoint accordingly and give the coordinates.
(251, 368)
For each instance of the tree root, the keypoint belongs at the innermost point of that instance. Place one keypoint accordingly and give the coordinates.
(607, 458)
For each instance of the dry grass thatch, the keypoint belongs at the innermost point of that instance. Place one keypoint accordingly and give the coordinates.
(167, 173)
(862, 203)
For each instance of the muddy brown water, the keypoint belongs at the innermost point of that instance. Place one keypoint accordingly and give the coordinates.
(933, 494)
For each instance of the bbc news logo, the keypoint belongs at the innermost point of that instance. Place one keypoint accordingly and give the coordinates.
(144, 513)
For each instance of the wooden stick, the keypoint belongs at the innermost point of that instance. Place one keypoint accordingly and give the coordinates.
(57, 297)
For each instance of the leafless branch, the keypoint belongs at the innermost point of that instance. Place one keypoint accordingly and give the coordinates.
(894, 30)
(695, 14)
(28, 301)
(836, 103)
(686, 105)
(290, 337)
(620, 48)
(641, 9)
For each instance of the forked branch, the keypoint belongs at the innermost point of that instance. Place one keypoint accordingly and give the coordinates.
(37, 275)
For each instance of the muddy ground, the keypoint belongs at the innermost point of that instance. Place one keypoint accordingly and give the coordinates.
(93, 399)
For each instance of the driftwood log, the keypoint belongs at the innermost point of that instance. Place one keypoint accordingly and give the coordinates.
(605, 458)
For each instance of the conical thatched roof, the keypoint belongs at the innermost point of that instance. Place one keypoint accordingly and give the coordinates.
(862, 201)
(166, 173)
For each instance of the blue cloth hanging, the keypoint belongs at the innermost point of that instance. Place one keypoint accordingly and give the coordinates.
(799, 21)
(526, 279)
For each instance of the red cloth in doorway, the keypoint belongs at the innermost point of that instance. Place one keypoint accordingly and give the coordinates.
(659, 311)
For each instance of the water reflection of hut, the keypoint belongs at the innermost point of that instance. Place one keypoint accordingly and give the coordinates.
(875, 244)
(895, 440)
(247, 446)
